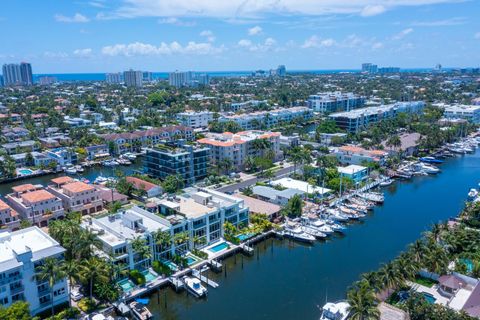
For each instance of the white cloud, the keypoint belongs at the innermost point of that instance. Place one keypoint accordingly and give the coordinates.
(97, 4)
(441, 23)
(402, 34)
(83, 53)
(255, 31)
(55, 55)
(372, 10)
(208, 34)
(144, 49)
(76, 18)
(377, 45)
(269, 44)
(241, 9)
(477, 35)
(317, 42)
(177, 22)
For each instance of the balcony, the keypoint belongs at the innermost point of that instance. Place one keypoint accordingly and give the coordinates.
(16, 289)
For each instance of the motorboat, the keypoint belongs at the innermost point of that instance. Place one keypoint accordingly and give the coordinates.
(124, 161)
(70, 170)
(297, 233)
(431, 160)
(140, 311)
(130, 156)
(372, 196)
(335, 311)
(321, 226)
(337, 215)
(313, 232)
(472, 194)
(195, 287)
(337, 227)
(352, 214)
(427, 168)
(110, 163)
(79, 169)
(386, 183)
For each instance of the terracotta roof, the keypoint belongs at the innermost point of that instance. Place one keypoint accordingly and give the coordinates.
(218, 143)
(62, 180)
(141, 184)
(259, 206)
(3, 205)
(24, 187)
(77, 186)
(36, 196)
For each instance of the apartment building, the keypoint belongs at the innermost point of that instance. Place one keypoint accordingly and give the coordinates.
(269, 119)
(237, 147)
(470, 113)
(335, 101)
(357, 155)
(76, 196)
(194, 119)
(35, 204)
(8, 217)
(359, 119)
(190, 162)
(132, 141)
(23, 251)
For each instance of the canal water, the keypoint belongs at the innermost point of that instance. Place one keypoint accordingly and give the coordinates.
(287, 280)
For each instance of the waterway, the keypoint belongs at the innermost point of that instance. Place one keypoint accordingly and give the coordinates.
(289, 281)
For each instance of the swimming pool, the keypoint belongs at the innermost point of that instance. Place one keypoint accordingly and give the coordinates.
(25, 172)
(468, 263)
(126, 285)
(430, 299)
(171, 265)
(149, 276)
(191, 260)
(244, 236)
(219, 247)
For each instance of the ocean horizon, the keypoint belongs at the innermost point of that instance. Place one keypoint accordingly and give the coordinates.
(98, 76)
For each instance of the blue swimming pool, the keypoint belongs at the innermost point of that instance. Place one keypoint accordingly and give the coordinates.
(171, 265)
(468, 263)
(25, 172)
(149, 276)
(219, 247)
(126, 285)
(245, 236)
(430, 299)
(191, 260)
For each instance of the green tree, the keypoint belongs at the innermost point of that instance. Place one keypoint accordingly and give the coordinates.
(94, 270)
(173, 183)
(294, 206)
(51, 270)
(363, 305)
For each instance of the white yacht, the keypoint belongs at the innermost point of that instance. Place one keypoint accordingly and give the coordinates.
(337, 215)
(71, 170)
(297, 233)
(195, 287)
(140, 311)
(386, 183)
(335, 311)
(321, 226)
(473, 193)
(130, 156)
(314, 232)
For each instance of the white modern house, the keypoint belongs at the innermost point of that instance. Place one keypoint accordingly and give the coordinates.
(194, 119)
(20, 253)
(470, 113)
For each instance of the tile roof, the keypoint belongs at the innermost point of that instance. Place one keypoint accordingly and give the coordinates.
(77, 186)
(3, 205)
(36, 196)
(141, 184)
(24, 187)
(62, 180)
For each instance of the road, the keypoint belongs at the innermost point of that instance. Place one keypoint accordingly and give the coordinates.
(240, 185)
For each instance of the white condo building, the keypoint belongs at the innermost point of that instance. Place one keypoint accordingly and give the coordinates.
(335, 101)
(471, 113)
(237, 147)
(133, 78)
(20, 253)
(250, 121)
(194, 119)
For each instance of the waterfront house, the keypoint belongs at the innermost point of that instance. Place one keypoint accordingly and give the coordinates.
(8, 217)
(471, 113)
(63, 156)
(22, 251)
(76, 196)
(357, 155)
(110, 195)
(273, 195)
(150, 189)
(272, 211)
(97, 151)
(354, 172)
(35, 204)
(20, 147)
(409, 143)
(302, 186)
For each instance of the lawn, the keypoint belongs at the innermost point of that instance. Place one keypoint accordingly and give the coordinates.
(425, 281)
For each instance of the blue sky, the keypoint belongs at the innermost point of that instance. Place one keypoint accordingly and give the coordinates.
(163, 35)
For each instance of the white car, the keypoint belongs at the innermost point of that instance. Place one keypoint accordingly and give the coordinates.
(76, 295)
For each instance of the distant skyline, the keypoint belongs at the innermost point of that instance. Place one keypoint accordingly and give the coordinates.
(217, 35)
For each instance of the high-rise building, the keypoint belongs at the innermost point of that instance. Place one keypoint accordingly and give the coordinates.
(188, 79)
(17, 74)
(369, 67)
(26, 73)
(47, 80)
(384, 70)
(281, 71)
(147, 76)
(133, 78)
(1, 80)
(114, 77)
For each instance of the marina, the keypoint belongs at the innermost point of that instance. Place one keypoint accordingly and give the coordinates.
(312, 274)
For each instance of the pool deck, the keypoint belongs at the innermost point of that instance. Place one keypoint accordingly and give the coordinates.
(433, 291)
(213, 258)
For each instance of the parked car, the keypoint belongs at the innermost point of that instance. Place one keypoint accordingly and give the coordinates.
(76, 295)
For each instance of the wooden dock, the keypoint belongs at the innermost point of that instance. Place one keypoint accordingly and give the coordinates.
(197, 274)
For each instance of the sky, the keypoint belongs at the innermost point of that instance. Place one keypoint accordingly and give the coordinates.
(83, 36)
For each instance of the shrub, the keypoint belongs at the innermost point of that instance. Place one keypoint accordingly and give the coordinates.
(86, 305)
(200, 254)
(137, 277)
(161, 268)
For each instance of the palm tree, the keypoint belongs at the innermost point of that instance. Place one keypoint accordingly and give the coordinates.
(93, 270)
(140, 246)
(52, 271)
(389, 276)
(363, 305)
(71, 269)
(162, 238)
